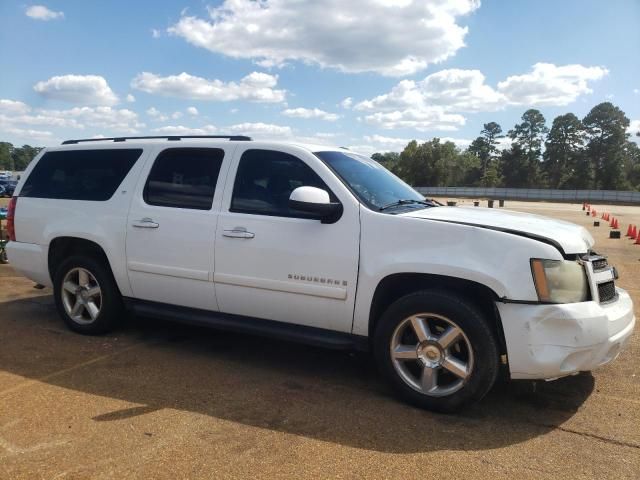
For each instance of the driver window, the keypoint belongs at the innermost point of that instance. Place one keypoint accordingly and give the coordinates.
(265, 180)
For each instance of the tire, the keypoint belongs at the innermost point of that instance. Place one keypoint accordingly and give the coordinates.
(107, 309)
(442, 373)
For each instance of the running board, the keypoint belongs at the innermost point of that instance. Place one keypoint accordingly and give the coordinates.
(318, 337)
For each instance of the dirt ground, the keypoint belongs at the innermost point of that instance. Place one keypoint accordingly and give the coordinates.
(157, 400)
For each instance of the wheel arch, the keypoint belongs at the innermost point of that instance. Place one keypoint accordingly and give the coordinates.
(63, 247)
(397, 285)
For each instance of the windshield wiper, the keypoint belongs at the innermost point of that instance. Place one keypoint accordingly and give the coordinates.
(406, 202)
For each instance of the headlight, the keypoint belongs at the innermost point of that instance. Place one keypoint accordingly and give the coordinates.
(560, 281)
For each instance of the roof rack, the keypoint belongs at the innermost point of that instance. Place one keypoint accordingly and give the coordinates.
(237, 138)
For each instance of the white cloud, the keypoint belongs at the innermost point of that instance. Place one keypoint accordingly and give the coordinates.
(307, 113)
(192, 111)
(182, 130)
(548, 84)
(40, 12)
(421, 119)
(155, 33)
(636, 91)
(106, 118)
(380, 143)
(176, 115)
(13, 106)
(260, 130)
(346, 103)
(437, 101)
(131, 98)
(80, 118)
(31, 135)
(81, 89)
(388, 37)
(157, 115)
(255, 87)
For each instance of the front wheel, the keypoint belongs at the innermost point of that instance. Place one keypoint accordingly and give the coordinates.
(86, 295)
(437, 350)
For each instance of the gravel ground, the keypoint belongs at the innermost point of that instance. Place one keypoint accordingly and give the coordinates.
(157, 400)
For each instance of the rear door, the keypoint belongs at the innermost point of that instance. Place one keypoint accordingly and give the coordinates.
(171, 227)
(272, 262)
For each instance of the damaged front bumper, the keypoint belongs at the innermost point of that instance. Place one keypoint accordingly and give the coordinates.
(551, 341)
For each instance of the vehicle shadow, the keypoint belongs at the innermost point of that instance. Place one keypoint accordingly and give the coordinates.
(330, 396)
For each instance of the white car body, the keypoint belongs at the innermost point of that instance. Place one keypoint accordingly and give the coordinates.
(195, 259)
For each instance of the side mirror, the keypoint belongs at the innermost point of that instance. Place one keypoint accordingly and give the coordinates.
(315, 202)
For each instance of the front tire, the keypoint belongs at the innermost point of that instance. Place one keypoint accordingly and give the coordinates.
(437, 350)
(86, 295)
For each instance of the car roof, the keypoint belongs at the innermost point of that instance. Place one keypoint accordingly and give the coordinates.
(180, 141)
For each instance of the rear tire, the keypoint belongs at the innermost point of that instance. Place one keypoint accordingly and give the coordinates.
(436, 350)
(86, 295)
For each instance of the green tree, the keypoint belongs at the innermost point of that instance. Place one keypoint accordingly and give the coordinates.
(528, 136)
(23, 155)
(388, 159)
(514, 167)
(606, 127)
(564, 152)
(631, 167)
(427, 164)
(485, 147)
(6, 161)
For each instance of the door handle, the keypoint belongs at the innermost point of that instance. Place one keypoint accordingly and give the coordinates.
(238, 232)
(145, 223)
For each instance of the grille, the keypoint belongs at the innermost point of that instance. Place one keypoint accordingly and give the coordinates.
(606, 291)
(599, 264)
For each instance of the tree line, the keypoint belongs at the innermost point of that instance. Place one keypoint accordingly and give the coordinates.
(16, 158)
(590, 153)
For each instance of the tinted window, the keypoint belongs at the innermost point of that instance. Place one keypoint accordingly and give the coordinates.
(184, 178)
(265, 180)
(80, 174)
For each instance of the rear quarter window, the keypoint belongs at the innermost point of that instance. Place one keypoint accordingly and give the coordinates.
(80, 174)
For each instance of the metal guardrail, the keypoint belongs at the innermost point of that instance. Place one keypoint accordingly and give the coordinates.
(555, 195)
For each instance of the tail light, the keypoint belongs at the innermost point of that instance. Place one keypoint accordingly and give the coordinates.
(11, 215)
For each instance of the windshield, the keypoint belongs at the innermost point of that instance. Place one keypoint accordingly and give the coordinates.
(373, 184)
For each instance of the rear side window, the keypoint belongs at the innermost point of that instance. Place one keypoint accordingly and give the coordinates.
(80, 174)
(184, 178)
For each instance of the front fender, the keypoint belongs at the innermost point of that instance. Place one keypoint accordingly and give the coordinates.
(397, 244)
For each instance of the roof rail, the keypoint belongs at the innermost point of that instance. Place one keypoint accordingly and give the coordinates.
(237, 138)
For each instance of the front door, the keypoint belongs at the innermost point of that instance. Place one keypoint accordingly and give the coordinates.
(171, 228)
(271, 261)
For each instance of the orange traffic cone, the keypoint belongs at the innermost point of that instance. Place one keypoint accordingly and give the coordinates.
(628, 231)
(634, 232)
(593, 212)
(602, 217)
(637, 242)
(616, 225)
(612, 222)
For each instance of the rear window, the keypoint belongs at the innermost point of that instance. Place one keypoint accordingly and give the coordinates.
(80, 174)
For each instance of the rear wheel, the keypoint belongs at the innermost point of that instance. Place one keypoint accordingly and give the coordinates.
(86, 295)
(437, 350)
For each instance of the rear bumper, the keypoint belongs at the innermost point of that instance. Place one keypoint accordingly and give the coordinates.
(550, 341)
(30, 260)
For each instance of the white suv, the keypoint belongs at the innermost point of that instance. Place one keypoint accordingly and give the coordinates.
(319, 245)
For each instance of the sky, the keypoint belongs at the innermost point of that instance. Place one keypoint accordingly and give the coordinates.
(369, 75)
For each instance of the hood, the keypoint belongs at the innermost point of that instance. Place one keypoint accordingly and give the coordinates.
(568, 237)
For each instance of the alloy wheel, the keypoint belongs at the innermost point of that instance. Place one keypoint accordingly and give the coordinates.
(431, 354)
